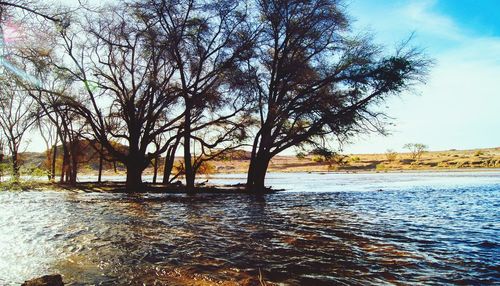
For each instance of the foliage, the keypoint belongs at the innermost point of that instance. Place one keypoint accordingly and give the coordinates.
(317, 81)
(416, 150)
(322, 154)
(381, 167)
(149, 76)
(478, 153)
(354, 159)
(391, 155)
(300, 155)
(206, 168)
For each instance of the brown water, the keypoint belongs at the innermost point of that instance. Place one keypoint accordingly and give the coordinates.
(422, 229)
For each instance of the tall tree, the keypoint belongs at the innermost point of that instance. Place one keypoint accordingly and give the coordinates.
(125, 77)
(16, 117)
(314, 80)
(206, 41)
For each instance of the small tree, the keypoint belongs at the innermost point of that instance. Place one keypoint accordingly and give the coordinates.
(416, 150)
(16, 117)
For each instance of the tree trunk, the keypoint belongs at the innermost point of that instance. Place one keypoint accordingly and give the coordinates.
(99, 177)
(15, 166)
(73, 170)
(155, 169)
(257, 172)
(169, 162)
(64, 163)
(259, 161)
(188, 166)
(134, 178)
(53, 167)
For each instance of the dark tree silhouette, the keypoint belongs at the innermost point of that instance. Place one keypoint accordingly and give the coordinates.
(122, 66)
(205, 41)
(313, 80)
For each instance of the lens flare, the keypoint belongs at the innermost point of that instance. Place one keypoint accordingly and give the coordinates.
(21, 73)
(90, 85)
(10, 35)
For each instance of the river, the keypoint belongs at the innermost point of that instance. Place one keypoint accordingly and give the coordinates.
(326, 229)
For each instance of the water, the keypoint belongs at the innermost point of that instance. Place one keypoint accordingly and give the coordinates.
(327, 229)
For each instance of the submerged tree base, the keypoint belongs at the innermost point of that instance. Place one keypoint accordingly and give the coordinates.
(120, 187)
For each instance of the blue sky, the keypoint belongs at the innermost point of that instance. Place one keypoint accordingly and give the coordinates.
(458, 106)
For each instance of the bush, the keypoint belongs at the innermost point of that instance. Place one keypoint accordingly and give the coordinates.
(37, 172)
(478, 153)
(318, 159)
(5, 169)
(381, 167)
(391, 156)
(206, 168)
(354, 159)
(333, 168)
(300, 155)
(443, 165)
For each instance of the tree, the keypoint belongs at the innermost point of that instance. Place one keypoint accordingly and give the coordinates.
(416, 150)
(28, 61)
(206, 42)
(31, 7)
(125, 84)
(16, 117)
(49, 135)
(315, 81)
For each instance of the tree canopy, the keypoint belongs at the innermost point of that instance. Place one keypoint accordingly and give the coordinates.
(142, 79)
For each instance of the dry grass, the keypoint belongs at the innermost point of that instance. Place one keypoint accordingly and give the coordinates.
(434, 160)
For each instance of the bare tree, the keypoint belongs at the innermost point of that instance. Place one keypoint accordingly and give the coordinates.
(16, 117)
(125, 79)
(49, 135)
(416, 150)
(313, 80)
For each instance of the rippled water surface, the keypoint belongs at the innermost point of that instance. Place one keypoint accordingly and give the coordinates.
(330, 229)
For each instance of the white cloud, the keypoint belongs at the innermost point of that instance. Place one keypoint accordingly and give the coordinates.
(458, 106)
(421, 16)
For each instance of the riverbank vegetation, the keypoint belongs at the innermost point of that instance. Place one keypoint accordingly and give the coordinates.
(140, 82)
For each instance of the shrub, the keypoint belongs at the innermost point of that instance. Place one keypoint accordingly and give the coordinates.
(416, 150)
(333, 168)
(381, 167)
(206, 168)
(354, 159)
(318, 159)
(391, 156)
(300, 155)
(37, 172)
(478, 153)
(443, 165)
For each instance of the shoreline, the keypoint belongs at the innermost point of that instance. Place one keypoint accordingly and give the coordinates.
(110, 186)
(119, 187)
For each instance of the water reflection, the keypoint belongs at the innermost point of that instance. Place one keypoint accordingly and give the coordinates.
(408, 237)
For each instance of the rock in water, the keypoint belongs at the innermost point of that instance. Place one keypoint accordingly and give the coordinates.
(47, 280)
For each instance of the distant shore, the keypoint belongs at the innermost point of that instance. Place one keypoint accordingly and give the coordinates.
(451, 160)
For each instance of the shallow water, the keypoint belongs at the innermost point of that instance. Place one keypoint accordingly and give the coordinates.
(327, 229)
